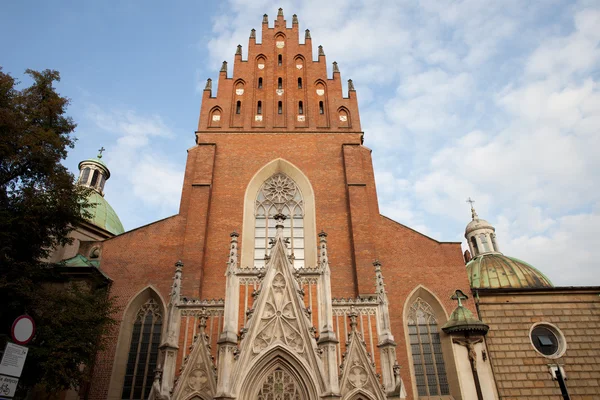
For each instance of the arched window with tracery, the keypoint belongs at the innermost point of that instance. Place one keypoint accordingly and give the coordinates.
(143, 352)
(279, 194)
(426, 348)
(279, 385)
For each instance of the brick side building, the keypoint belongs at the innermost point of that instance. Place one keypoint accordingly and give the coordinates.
(279, 278)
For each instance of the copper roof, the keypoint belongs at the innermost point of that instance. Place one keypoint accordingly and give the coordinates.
(495, 270)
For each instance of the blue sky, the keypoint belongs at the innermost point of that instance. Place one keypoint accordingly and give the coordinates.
(497, 100)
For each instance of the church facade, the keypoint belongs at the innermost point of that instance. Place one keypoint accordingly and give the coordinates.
(279, 278)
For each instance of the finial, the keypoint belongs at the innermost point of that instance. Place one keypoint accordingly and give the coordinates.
(473, 212)
(279, 219)
(335, 67)
(280, 12)
(203, 318)
(323, 257)
(178, 265)
(253, 34)
(232, 263)
(265, 19)
(294, 19)
(307, 34)
(460, 296)
(350, 85)
(321, 52)
(353, 315)
(100, 151)
(224, 67)
(322, 234)
(238, 52)
(208, 84)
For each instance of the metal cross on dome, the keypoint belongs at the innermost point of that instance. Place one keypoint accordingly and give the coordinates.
(471, 201)
(100, 151)
(460, 296)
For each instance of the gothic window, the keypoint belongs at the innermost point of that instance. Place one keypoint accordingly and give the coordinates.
(426, 348)
(238, 107)
(259, 108)
(279, 385)
(280, 108)
(85, 175)
(143, 352)
(321, 109)
(279, 194)
(299, 83)
(279, 60)
(300, 108)
(94, 178)
(260, 83)
(280, 83)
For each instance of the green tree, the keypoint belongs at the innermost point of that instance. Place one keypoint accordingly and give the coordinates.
(39, 206)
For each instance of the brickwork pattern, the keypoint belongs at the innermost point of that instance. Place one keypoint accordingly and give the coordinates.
(520, 371)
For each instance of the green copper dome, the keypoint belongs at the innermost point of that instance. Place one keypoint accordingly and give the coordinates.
(496, 271)
(103, 215)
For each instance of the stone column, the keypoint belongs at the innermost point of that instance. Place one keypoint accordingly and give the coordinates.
(228, 339)
(327, 338)
(169, 346)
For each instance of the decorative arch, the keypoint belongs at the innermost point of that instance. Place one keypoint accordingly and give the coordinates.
(344, 117)
(125, 334)
(359, 394)
(424, 295)
(279, 358)
(290, 170)
(215, 116)
(261, 62)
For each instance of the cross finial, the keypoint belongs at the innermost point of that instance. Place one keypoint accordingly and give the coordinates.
(100, 152)
(473, 212)
(459, 296)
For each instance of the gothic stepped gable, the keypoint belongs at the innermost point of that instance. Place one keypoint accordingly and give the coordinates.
(358, 372)
(198, 373)
(279, 325)
(279, 87)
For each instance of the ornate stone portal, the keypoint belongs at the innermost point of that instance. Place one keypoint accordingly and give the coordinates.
(276, 355)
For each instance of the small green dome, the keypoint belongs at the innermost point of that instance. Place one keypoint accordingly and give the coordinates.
(495, 271)
(462, 320)
(98, 162)
(103, 215)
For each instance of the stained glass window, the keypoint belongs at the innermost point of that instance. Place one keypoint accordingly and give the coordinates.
(279, 385)
(143, 352)
(426, 348)
(279, 194)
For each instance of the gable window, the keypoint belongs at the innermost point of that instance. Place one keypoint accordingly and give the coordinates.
(299, 83)
(279, 194)
(238, 107)
(280, 108)
(279, 83)
(259, 107)
(279, 60)
(300, 108)
(426, 348)
(143, 352)
(260, 83)
(321, 109)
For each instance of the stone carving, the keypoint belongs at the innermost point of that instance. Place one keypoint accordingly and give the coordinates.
(261, 66)
(278, 321)
(320, 92)
(279, 385)
(280, 44)
(239, 92)
(197, 379)
(357, 375)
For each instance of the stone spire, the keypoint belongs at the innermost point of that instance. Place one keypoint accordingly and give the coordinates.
(265, 19)
(294, 19)
(307, 34)
(208, 84)
(280, 12)
(238, 51)
(253, 34)
(321, 52)
(335, 67)
(224, 67)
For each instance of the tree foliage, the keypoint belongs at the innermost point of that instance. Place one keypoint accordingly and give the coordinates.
(39, 206)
